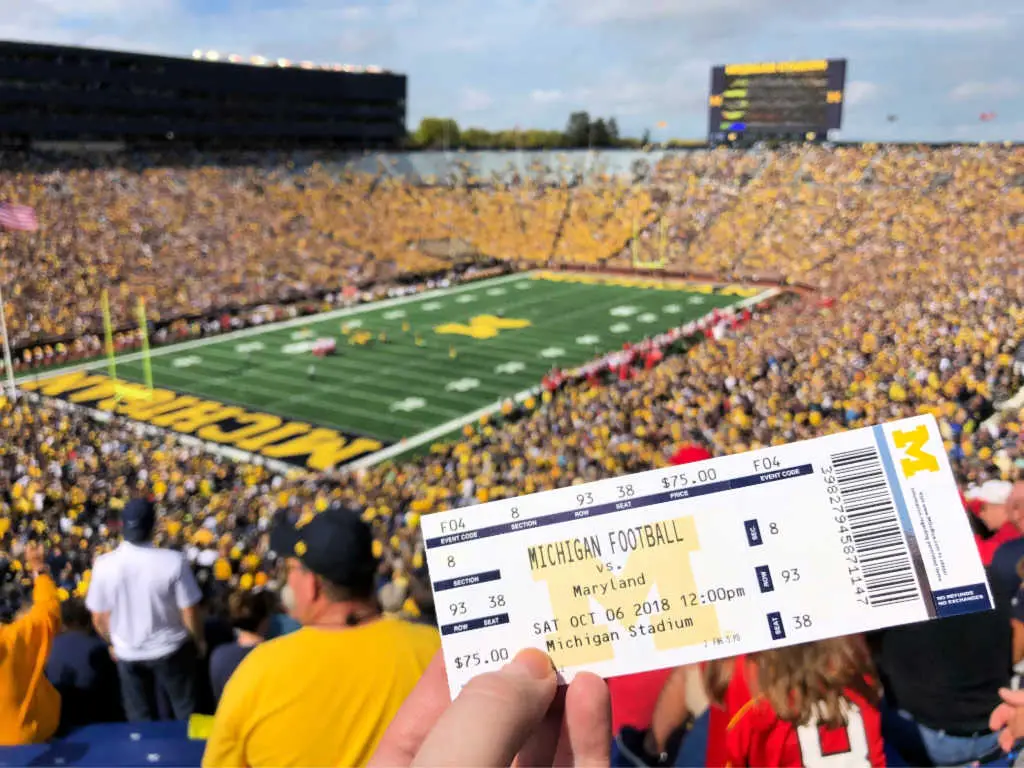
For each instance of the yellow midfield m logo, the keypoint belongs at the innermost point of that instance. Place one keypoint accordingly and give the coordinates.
(483, 326)
(912, 442)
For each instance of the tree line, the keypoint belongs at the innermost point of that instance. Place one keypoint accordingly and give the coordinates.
(581, 131)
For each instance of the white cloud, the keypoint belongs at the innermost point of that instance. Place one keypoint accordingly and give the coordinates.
(355, 13)
(860, 92)
(541, 96)
(475, 100)
(976, 89)
(979, 22)
(93, 8)
(402, 10)
(604, 11)
(994, 131)
(620, 93)
(461, 43)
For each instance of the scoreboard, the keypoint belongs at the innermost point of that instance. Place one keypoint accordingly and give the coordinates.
(789, 99)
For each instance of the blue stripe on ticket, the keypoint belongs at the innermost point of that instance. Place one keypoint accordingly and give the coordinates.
(466, 626)
(618, 506)
(959, 600)
(466, 581)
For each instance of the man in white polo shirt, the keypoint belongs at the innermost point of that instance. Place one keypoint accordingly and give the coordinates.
(144, 602)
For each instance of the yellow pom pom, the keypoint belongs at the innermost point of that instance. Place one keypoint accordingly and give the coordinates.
(409, 607)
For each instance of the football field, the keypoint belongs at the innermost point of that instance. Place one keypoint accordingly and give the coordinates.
(409, 369)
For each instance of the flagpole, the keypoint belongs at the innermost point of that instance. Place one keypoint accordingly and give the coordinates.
(7, 348)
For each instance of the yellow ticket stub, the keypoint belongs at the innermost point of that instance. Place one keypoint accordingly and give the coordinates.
(832, 536)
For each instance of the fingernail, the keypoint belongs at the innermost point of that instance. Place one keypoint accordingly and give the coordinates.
(532, 663)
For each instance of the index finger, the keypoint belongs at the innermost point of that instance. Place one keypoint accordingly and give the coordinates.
(1012, 702)
(416, 717)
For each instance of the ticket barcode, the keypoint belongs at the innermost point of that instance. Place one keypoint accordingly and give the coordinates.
(875, 529)
(834, 536)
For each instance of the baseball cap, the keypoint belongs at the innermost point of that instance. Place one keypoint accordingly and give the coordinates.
(990, 492)
(138, 519)
(335, 544)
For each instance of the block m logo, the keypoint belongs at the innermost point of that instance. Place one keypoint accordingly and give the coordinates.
(483, 326)
(916, 459)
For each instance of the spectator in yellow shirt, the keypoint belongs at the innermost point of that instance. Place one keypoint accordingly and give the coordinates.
(325, 694)
(29, 705)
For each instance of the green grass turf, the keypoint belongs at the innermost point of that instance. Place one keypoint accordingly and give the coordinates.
(367, 390)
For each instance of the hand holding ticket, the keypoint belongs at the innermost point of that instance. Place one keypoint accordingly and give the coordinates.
(826, 537)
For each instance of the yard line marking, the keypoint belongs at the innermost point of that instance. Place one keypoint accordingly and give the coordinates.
(462, 385)
(623, 310)
(512, 366)
(295, 348)
(409, 404)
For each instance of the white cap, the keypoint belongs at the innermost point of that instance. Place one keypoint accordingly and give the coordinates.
(991, 492)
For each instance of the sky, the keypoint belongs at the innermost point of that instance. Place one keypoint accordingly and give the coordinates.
(496, 64)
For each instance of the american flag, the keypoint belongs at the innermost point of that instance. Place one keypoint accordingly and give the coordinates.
(18, 217)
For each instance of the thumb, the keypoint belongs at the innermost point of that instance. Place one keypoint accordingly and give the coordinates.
(1012, 697)
(494, 715)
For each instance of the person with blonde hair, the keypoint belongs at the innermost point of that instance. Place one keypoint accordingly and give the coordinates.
(812, 704)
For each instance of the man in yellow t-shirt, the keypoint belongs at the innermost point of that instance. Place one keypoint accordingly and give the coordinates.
(325, 694)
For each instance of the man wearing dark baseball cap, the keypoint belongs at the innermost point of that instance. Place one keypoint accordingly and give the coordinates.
(325, 694)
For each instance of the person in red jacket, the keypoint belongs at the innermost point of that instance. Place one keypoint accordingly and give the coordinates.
(813, 704)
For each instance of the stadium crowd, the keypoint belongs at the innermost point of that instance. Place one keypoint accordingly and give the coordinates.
(912, 302)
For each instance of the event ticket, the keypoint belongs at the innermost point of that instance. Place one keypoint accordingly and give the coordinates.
(841, 534)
